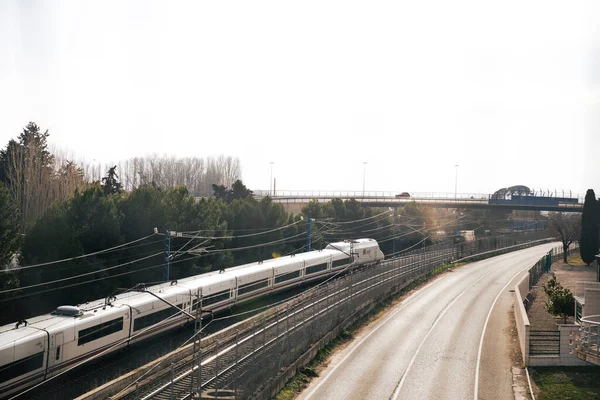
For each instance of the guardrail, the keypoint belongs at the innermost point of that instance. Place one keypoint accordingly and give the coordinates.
(255, 359)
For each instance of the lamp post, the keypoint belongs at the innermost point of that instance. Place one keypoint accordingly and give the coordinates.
(455, 180)
(271, 180)
(364, 174)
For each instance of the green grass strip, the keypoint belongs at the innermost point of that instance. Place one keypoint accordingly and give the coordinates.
(574, 383)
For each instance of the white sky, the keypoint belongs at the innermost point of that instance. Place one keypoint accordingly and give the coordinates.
(510, 91)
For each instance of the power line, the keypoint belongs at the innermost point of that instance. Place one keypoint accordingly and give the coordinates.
(249, 235)
(78, 276)
(363, 219)
(254, 246)
(77, 257)
(72, 266)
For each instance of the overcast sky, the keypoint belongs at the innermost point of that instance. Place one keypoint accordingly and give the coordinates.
(508, 90)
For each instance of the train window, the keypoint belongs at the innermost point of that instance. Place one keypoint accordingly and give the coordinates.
(99, 331)
(57, 353)
(341, 262)
(21, 367)
(212, 299)
(250, 287)
(287, 277)
(316, 268)
(154, 318)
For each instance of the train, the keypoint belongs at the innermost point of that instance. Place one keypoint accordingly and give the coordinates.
(34, 350)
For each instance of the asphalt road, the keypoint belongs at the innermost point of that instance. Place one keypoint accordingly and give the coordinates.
(449, 340)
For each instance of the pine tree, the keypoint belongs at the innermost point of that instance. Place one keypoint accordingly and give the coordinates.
(110, 185)
(588, 246)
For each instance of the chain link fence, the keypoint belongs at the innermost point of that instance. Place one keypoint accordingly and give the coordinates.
(254, 358)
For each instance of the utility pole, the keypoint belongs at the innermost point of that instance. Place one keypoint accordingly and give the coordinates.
(167, 253)
(455, 180)
(364, 174)
(394, 230)
(308, 235)
(271, 181)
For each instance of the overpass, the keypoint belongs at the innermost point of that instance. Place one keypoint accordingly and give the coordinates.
(557, 202)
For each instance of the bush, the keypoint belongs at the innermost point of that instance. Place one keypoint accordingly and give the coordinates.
(560, 300)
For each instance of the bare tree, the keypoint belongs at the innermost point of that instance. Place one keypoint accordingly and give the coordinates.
(567, 227)
(68, 176)
(29, 170)
(196, 173)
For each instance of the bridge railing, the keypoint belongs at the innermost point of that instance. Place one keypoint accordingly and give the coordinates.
(369, 193)
(568, 198)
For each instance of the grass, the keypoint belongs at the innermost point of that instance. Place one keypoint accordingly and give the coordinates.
(573, 383)
(575, 260)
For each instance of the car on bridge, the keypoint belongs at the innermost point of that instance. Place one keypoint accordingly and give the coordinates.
(403, 195)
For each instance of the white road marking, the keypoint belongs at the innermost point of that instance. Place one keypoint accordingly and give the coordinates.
(484, 328)
(402, 306)
(397, 391)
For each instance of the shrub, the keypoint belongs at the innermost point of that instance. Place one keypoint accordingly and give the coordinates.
(560, 300)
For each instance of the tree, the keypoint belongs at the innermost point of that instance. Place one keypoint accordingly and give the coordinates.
(566, 227)
(10, 236)
(238, 191)
(10, 240)
(27, 170)
(590, 218)
(36, 177)
(110, 185)
(560, 300)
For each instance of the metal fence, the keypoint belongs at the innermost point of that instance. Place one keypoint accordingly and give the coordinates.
(249, 359)
(590, 335)
(546, 342)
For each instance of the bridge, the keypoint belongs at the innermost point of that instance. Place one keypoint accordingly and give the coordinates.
(565, 202)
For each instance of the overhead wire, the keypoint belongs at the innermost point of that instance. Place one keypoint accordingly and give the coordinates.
(121, 274)
(78, 257)
(248, 235)
(79, 276)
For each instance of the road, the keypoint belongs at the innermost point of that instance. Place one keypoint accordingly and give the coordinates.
(447, 340)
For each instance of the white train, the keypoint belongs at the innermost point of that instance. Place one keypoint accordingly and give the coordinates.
(41, 347)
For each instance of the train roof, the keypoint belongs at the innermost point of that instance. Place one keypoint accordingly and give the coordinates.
(54, 322)
(12, 335)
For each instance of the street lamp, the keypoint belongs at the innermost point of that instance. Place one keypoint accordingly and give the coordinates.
(455, 180)
(364, 174)
(271, 180)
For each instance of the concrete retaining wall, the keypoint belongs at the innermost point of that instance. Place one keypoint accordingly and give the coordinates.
(521, 318)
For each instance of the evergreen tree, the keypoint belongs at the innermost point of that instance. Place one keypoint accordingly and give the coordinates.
(10, 230)
(560, 299)
(110, 185)
(589, 242)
